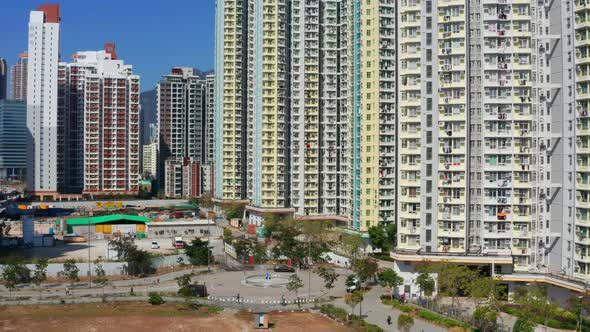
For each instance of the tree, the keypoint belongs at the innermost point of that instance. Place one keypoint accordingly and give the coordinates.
(227, 236)
(485, 318)
(365, 268)
(389, 278)
(139, 263)
(70, 271)
(100, 275)
(523, 325)
(405, 322)
(40, 274)
(353, 299)
(155, 298)
(378, 238)
(535, 302)
(580, 306)
(123, 247)
(351, 244)
(197, 252)
(455, 280)
(15, 273)
(391, 231)
(295, 283)
(183, 282)
(426, 284)
(328, 275)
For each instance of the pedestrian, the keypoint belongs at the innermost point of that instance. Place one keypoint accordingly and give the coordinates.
(131, 290)
(283, 299)
(388, 320)
(67, 290)
(238, 297)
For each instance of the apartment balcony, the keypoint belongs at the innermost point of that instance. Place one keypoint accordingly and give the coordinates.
(451, 200)
(582, 184)
(582, 240)
(410, 151)
(413, 215)
(521, 217)
(458, 248)
(447, 150)
(458, 232)
(451, 166)
(414, 166)
(520, 234)
(497, 234)
(582, 5)
(522, 184)
(582, 258)
(520, 251)
(498, 200)
(583, 130)
(517, 16)
(409, 199)
(410, 230)
(459, 116)
(517, 116)
(584, 204)
(409, 183)
(410, 103)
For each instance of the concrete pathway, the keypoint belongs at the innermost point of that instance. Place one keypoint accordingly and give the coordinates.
(376, 313)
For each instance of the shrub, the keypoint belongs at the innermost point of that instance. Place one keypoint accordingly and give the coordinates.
(155, 299)
(333, 312)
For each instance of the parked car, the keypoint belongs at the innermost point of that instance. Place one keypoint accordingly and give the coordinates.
(155, 245)
(355, 286)
(284, 268)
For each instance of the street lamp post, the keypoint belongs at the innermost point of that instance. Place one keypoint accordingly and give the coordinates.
(208, 244)
(89, 266)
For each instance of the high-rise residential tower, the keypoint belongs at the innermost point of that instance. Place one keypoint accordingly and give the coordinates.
(18, 78)
(372, 113)
(181, 109)
(99, 124)
(42, 113)
(209, 124)
(232, 25)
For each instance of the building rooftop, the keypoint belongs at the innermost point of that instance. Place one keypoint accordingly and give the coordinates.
(107, 218)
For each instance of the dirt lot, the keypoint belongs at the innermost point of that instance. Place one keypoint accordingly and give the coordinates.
(143, 316)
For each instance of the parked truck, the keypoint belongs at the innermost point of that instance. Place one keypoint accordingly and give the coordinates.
(178, 243)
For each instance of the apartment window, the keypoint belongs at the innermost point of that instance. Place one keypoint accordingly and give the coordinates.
(428, 153)
(429, 170)
(429, 185)
(429, 39)
(429, 108)
(428, 7)
(428, 203)
(428, 119)
(429, 22)
(428, 87)
(429, 67)
(429, 136)
(428, 235)
(428, 219)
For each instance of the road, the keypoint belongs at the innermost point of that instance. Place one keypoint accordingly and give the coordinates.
(224, 287)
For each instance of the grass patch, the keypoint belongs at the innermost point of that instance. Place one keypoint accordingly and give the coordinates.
(341, 315)
(90, 310)
(425, 314)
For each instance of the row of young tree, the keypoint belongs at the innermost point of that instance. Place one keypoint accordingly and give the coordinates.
(16, 273)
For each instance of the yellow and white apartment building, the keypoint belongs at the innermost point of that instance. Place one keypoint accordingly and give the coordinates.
(463, 121)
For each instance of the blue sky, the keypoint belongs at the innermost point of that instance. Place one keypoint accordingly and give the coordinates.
(152, 35)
